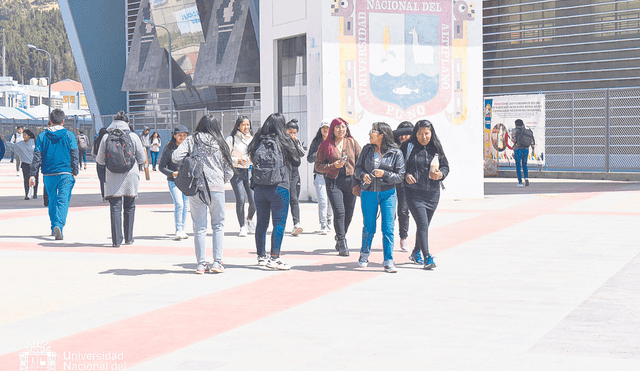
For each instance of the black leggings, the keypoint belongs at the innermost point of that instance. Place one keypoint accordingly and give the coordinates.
(403, 212)
(422, 205)
(26, 174)
(243, 193)
(342, 203)
(294, 195)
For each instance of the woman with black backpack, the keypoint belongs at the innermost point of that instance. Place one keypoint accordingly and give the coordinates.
(209, 147)
(272, 153)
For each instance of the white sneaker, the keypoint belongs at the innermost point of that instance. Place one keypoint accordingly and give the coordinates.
(184, 235)
(277, 264)
(520, 185)
(178, 236)
(297, 229)
(262, 261)
(243, 232)
(404, 245)
(251, 226)
(324, 231)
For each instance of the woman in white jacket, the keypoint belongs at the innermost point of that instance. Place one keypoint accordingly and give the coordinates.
(209, 147)
(240, 137)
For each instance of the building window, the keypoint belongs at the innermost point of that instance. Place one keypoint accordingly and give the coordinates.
(34, 100)
(292, 79)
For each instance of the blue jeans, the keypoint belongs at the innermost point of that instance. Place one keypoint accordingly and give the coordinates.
(272, 201)
(154, 158)
(387, 201)
(325, 214)
(521, 156)
(181, 203)
(59, 192)
(199, 216)
(242, 192)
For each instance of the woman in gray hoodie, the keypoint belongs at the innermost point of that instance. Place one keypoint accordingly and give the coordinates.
(209, 147)
(121, 189)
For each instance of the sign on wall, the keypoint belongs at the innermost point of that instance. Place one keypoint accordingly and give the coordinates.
(500, 114)
(403, 59)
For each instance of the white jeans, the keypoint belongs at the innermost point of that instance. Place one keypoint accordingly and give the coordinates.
(325, 214)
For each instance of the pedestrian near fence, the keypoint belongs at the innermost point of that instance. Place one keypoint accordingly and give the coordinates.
(56, 155)
(121, 188)
(208, 146)
(238, 141)
(24, 151)
(170, 169)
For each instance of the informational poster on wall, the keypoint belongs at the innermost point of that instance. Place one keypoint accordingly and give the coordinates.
(500, 115)
(398, 60)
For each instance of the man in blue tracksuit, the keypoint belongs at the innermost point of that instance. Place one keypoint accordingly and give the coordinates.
(56, 153)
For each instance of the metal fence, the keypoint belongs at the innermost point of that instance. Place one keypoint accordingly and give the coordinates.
(159, 121)
(594, 130)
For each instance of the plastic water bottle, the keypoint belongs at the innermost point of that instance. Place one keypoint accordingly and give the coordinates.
(30, 194)
(435, 163)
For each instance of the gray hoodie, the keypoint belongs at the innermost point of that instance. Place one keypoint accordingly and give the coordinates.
(216, 169)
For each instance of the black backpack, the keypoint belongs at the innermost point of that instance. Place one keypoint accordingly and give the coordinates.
(191, 180)
(268, 164)
(525, 139)
(121, 156)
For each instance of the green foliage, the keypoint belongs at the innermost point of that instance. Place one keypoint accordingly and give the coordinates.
(24, 25)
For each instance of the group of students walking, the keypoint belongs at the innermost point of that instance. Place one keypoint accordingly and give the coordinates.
(394, 172)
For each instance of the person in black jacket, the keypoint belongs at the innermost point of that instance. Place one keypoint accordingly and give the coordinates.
(426, 167)
(401, 135)
(294, 194)
(379, 168)
(170, 169)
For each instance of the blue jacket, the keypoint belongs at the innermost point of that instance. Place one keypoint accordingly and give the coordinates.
(56, 152)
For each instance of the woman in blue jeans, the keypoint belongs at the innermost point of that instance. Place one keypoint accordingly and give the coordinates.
(208, 146)
(170, 169)
(423, 179)
(272, 200)
(379, 168)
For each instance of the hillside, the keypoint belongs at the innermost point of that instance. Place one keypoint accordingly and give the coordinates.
(36, 22)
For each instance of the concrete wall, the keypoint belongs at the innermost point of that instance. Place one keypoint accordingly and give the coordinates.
(388, 61)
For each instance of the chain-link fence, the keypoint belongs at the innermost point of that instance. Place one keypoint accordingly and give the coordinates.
(595, 130)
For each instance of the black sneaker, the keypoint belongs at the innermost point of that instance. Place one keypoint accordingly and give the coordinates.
(526, 182)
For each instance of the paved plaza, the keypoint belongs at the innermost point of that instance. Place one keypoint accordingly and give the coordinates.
(545, 277)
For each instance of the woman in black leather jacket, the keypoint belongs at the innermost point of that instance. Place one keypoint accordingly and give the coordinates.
(379, 168)
(423, 180)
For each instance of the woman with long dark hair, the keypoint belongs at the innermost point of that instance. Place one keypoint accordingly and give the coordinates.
(154, 148)
(379, 168)
(240, 137)
(336, 159)
(272, 199)
(100, 169)
(208, 146)
(426, 168)
(170, 169)
(24, 151)
(325, 214)
(294, 193)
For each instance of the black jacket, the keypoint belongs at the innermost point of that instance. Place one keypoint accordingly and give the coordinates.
(418, 165)
(392, 162)
(167, 167)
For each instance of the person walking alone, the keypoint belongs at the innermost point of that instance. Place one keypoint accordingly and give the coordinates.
(83, 146)
(121, 188)
(56, 154)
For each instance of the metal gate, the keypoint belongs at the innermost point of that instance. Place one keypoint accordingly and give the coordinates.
(594, 130)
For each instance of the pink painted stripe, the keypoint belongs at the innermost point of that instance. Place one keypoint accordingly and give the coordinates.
(162, 331)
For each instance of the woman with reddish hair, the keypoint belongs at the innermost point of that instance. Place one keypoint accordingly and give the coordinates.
(336, 159)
